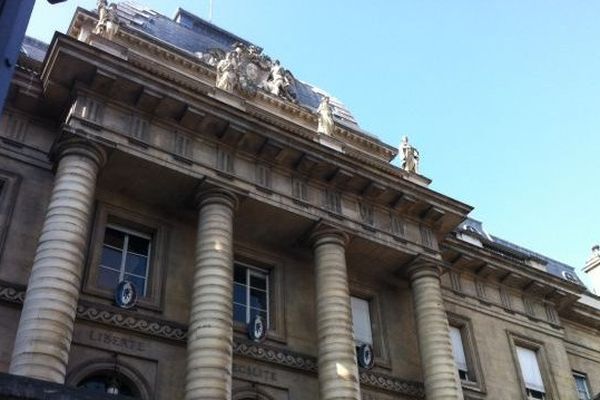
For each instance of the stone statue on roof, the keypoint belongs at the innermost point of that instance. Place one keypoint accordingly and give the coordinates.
(410, 156)
(227, 72)
(108, 23)
(325, 117)
(280, 82)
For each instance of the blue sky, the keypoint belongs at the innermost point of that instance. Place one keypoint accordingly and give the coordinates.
(500, 97)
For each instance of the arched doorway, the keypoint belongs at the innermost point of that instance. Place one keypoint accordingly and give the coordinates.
(110, 376)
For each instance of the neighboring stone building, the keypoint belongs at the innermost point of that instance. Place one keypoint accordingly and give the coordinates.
(173, 156)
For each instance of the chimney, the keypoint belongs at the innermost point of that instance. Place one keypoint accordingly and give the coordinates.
(592, 268)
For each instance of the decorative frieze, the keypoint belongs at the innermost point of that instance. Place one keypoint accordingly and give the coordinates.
(263, 176)
(366, 213)
(505, 299)
(225, 161)
(426, 236)
(131, 321)
(14, 128)
(455, 282)
(139, 129)
(299, 189)
(332, 200)
(182, 146)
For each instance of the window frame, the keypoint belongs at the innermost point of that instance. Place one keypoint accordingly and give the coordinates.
(516, 340)
(252, 270)
(380, 348)
(586, 381)
(246, 255)
(128, 233)
(109, 215)
(9, 189)
(475, 379)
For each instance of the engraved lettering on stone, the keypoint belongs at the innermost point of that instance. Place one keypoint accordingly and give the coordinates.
(254, 372)
(116, 341)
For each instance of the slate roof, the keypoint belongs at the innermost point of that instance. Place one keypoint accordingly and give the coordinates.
(34, 49)
(475, 228)
(193, 34)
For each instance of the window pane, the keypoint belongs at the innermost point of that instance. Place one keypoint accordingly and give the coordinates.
(114, 238)
(458, 349)
(258, 299)
(239, 274)
(138, 283)
(111, 258)
(530, 369)
(259, 282)
(239, 313)
(135, 264)
(239, 293)
(361, 320)
(138, 245)
(107, 279)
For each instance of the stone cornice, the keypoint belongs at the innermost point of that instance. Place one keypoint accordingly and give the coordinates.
(142, 324)
(382, 173)
(511, 265)
(136, 40)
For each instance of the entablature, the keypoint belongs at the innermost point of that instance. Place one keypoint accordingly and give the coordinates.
(137, 46)
(485, 264)
(190, 119)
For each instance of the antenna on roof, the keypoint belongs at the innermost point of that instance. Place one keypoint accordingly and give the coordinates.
(210, 10)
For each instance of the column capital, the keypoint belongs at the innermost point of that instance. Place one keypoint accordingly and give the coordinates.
(323, 234)
(216, 195)
(421, 267)
(74, 145)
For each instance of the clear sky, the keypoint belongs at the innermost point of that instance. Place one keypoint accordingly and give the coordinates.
(501, 97)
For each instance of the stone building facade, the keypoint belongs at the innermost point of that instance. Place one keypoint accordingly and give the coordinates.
(176, 157)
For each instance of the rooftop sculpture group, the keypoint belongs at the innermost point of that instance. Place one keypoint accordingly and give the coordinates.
(108, 23)
(245, 69)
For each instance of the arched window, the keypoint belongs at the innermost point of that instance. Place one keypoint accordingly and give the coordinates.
(110, 382)
(110, 376)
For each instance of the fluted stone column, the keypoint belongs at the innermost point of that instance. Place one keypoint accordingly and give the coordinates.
(338, 370)
(439, 369)
(210, 335)
(45, 329)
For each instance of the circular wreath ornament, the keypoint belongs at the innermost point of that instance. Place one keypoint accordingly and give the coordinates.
(257, 329)
(125, 294)
(365, 355)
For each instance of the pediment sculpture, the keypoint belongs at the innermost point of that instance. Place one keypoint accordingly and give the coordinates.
(245, 69)
(410, 156)
(108, 22)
